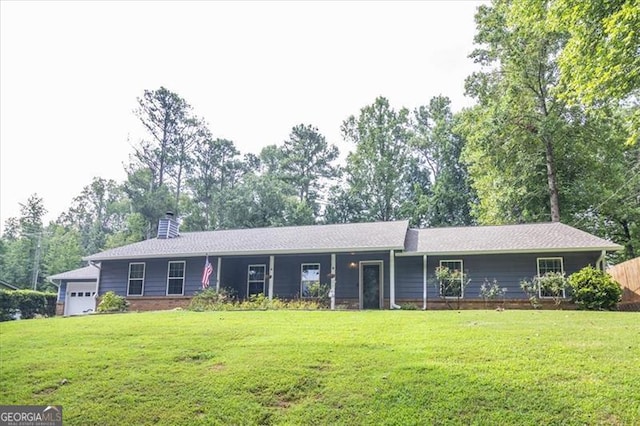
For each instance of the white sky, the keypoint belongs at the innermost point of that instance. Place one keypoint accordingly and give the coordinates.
(70, 73)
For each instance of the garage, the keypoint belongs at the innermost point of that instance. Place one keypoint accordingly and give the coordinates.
(76, 290)
(81, 298)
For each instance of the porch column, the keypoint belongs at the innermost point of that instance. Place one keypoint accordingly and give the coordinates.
(392, 280)
(424, 282)
(218, 274)
(333, 282)
(271, 265)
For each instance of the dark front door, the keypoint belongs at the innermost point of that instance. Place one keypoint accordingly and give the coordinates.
(371, 284)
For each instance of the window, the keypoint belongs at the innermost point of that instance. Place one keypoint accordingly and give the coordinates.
(175, 278)
(310, 280)
(453, 286)
(546, 265)
(136, 279)
(255, 279)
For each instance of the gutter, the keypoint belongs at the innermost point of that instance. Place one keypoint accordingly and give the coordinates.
(600, 263)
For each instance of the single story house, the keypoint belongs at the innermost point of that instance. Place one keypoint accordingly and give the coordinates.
(77, 290)
(377, 265)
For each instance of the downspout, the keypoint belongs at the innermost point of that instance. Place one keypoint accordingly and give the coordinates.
(424, 282)
(392, 281)
(600, 263)
(271, 267)
(95, 296)
(332, 293)
(218, 274)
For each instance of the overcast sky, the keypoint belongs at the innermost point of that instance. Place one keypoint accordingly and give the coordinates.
(70, 73)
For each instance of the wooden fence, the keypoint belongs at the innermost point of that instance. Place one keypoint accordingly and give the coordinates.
(628, 275)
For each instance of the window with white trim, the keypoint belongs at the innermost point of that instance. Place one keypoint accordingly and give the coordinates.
(546, 265)
(454, 286)
(135, 285)
(255, 279)
(309, 279)
(175, 277)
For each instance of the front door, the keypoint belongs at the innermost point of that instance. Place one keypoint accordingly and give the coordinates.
(371, 285)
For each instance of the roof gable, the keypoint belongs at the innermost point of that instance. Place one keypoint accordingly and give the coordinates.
(89, 273)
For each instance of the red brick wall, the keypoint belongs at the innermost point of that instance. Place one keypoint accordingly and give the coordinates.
(59, 309)
(157, 303)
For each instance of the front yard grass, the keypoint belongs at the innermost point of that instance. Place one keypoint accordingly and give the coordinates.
(292, 367)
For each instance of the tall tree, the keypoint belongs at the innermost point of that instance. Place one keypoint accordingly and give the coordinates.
(98, 211)
(216, 169)
(447, 198)
(307, 163)
(377, 170)
(519, 122)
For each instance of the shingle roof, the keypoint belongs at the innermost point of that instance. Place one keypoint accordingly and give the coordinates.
(87, 273)
(538, 237)
(292, 239)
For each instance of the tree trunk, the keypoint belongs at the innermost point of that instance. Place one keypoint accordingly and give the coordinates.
(628, 241)
(552, 182)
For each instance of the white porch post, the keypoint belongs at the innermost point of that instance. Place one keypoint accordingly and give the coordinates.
(271, 265)
(424, 282)
(218, 274)
(392, 280)
(333, 282)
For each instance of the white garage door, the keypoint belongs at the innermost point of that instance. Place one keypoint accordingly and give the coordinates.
(80, 298)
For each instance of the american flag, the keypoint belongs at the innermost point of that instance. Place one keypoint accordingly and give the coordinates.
(208, 269)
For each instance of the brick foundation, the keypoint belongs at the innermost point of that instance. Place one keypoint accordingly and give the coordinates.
(466, 304)
(157, 303)
(59, 309)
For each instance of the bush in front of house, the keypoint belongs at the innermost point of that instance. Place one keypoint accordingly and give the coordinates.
(28, 303)
(225, 300)
(7, 305)
(211, 300)
(111, 302)
(594, 289)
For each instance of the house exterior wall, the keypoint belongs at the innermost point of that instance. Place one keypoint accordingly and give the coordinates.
(507, 269)
(115, 274)
(234, 271)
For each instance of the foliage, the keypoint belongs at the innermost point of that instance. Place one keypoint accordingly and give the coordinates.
(451, 284)
(594, 289)
(408, 307)
(447, 196)
(377, 169)
(211, 300)
(306, 163)
(491, 291)
(550, 285)
(111, 302)
(319, 292)
(28, 303)
(339, 368)
(225, 300)
(8, 306)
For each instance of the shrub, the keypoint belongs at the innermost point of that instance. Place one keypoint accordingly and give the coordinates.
(594, 289)
(211, 300)
(28, 302)
(491, 291)
(111, 302)
(551, 284)
(451, 284)
(318, 291)
(409, 307)
(7, 305)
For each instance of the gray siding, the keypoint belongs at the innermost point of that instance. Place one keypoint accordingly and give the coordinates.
(114, 276)
(507, 269)
(233, 274)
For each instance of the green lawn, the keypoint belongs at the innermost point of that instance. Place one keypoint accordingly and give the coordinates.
(292, 367)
